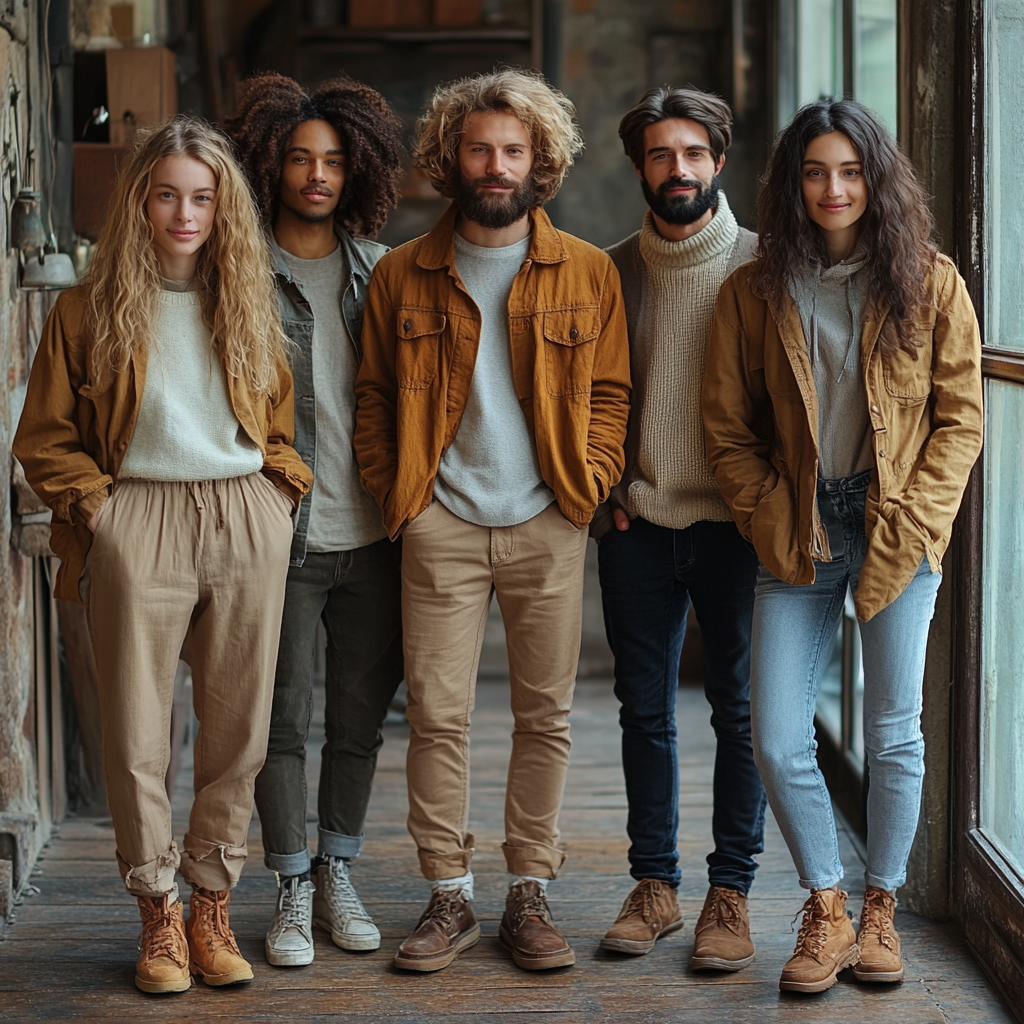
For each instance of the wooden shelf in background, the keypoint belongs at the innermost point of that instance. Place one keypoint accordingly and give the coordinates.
(331, 34)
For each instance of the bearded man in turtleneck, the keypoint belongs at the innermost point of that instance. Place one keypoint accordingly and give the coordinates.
(666, 537)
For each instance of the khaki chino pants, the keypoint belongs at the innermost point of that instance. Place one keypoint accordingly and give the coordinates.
(450, 568)
(208, 560)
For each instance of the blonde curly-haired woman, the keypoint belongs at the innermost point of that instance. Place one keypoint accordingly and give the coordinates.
(157, 427)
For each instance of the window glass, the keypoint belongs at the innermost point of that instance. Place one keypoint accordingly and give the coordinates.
(1002, 668)
(1004, 213)
(819, 49)
(875, 49)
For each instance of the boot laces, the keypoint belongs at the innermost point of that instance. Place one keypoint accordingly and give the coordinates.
(293, 901)
(442, 907)
(534, 905)
(213, 907)
(724, 910)
(810, 940)
(876, 916)
(164, 938)
(641, 900)
(341, 893)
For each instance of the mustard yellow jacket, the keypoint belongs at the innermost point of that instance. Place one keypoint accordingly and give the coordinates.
(570, 366)
(761, 423)
(74, 431)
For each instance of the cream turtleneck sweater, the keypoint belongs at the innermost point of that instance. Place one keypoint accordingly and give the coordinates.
(670, 289)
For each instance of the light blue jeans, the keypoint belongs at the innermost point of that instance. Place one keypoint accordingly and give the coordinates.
(793, 631)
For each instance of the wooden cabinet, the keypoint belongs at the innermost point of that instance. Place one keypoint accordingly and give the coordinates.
(141, 90)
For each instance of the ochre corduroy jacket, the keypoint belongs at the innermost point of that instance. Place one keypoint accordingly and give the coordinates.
(570, 365)
(761, 426)
(74, 431)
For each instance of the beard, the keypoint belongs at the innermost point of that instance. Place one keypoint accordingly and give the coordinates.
(680, 209)
(493, 211)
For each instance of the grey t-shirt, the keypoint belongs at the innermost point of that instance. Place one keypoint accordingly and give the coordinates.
(490, 475)
(342, 515)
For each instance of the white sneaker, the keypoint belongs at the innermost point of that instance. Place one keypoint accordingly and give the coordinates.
(337, 908)
(290, 939)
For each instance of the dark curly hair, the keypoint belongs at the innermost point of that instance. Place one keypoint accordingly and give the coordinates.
(271, 107)
(897, 224)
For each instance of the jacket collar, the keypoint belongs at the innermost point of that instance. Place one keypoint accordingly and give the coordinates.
(355, 258)
(438, 248)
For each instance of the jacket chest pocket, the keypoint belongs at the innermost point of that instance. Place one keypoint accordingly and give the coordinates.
(569, 341)
(907, 379)
(418, 347)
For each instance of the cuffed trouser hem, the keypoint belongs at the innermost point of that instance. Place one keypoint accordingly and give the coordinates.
(287, 864)
(436, 865)
(155, 877)
(334, 844)
(213, 866)
(743, 888)
(822, 883)
(533, 859)
(888, 884)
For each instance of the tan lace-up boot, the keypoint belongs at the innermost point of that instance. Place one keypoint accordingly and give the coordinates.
(211, 945)
(163, 951)
(825, 944)
(527, 929)
(650, 911)
(722, 936)
(880, 958)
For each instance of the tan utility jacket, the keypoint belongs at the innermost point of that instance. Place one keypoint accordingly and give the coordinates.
(761, 423)
(570, 364)
(74, 432)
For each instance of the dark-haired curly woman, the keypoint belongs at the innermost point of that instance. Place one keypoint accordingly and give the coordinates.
(842, 405)
(325, 168)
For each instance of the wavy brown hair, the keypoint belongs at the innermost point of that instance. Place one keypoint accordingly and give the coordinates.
(544, 112)
(233, 273)
(271, 107)
(896, 227)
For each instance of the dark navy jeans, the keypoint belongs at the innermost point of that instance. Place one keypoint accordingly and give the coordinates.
(649, 576)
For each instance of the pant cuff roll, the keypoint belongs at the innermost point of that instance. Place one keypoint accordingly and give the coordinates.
(213, 866)
(888, 884)
(451, 864)
(155, 877)
(537, 859)
(825, 882)
(287, 864)
(334, 844)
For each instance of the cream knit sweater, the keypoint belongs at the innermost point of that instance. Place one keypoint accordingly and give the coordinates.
(670, 290)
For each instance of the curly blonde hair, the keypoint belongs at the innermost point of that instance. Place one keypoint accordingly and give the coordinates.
(545, 113)
(233, 274)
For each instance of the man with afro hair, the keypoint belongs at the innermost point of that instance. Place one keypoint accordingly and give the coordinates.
(325, 168)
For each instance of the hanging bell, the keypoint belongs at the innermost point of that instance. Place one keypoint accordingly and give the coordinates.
(27, 231)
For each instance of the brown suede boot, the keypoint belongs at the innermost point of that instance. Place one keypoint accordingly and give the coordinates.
(447, 927)
(722, 936)
(880, 958)
(527, 929)
(163, 951)
(825, 944)
(651, 910)
(211, 944)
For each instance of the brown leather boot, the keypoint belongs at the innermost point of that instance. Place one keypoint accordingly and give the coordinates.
(825, 944)
(211, 944)
(527, 929)
(163, 951)
(650, 911)
(880, 958)
(722, 936)
(446, 928)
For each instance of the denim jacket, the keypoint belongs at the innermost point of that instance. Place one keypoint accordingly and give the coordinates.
(360, 256)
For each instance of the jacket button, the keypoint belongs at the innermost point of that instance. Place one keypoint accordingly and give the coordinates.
(574, 334)
(406, 325)
(881, 455)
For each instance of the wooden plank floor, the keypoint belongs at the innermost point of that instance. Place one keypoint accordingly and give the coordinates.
(70, 953)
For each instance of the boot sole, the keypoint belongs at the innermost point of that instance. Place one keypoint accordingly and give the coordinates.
(716, 963)
(163, 987)
(882, 976)
(529, 963)
(289, 958)
(442, 960)
(356, 944)
(848, 959)
(231, 978)
(637, 947)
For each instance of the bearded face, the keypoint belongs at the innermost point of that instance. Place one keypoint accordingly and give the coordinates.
(682, 209)
(494, 210)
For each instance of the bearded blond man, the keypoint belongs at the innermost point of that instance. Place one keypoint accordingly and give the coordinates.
(492, 405)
